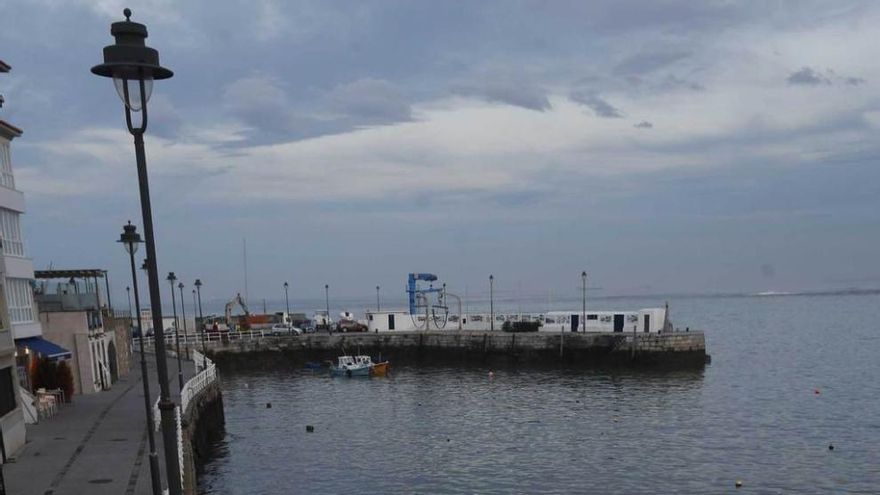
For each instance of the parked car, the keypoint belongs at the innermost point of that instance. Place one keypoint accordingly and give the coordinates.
(350, 326)
(280, 329)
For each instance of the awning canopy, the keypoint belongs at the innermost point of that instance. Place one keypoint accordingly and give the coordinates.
(86, 273)
(43, 347)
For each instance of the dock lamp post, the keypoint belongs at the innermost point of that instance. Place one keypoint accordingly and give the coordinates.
(130, 321)
(198, 284)
(327, 305)
(183, 317)
(130, 239)
(287, 302)
(171, 278)
(491, 302)
(584, 293)
(133, 65)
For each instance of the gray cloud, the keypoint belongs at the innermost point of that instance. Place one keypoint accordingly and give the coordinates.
(854, 81)
(258, 101)
(674, 82)
(370, 101)
(645, 62)
(644, 125)
(601, 107)
(519, 95)
(807, 77)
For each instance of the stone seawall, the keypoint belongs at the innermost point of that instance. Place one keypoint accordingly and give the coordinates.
(685, 349)
(202, 423)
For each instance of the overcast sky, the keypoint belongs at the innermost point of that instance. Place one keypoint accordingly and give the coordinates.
(662, 146)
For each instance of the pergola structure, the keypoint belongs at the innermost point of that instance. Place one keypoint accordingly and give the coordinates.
(90, 273)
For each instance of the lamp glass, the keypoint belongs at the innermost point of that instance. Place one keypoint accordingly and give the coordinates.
(131, 247)
(134, 91)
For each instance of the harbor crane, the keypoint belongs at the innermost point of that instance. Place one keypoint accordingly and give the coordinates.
(231, 304)
(420, 300)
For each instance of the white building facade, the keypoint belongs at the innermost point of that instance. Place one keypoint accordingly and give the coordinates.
(15, 269)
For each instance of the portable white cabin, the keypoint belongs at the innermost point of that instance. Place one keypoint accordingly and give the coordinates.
(389, 321)
(648, 320)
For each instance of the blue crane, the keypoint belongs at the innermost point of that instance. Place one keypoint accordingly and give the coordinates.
(412, 288)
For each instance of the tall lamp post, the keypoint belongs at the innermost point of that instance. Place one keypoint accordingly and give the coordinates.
(130, 316)
(327, 305)
(491, 302)
(183, 317)
(378, 307)
(287, 303)
(171, 278)
(130, 239)
(584, 293)
(131, 63)
(198, 284)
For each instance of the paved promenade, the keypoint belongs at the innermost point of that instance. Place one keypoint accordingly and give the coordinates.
(96, 445)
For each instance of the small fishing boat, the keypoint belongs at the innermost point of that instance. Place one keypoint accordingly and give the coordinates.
(352, 366)
(380, 369)
(360, 365)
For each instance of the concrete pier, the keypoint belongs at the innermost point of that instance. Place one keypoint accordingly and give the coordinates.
(686, 349)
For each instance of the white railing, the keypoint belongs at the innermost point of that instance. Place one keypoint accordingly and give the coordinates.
(28, 406)
(196, 384)
(191, 389)
(195, 338)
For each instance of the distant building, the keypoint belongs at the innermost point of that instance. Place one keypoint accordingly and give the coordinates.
(12, 422)
(74, 315)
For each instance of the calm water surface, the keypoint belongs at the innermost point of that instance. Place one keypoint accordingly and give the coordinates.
(751, 415)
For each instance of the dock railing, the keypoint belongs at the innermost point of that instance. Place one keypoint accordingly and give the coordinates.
(196, 338)
(207, 374)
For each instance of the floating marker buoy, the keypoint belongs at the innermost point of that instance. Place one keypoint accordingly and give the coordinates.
(738, 484)
(310, 428)
(816, 391)
(268, 405)
(491, 374)
(830, 447)
(447, 439)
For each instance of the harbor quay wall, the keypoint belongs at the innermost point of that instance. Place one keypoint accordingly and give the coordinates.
(201, 423)
(676, 349)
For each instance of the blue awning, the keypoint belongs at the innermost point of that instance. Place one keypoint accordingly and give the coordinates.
(43, 347)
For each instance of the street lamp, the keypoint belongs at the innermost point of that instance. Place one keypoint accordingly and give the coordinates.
(130, 322)
(171, 278)
(129, 61)
(327, 303)
(183, 317)
(584, 292)
(198, 284)
(287, 303)
(378, 307)
(130, 239)
(491, 302)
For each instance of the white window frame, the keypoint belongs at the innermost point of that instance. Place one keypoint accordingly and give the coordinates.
(20, 300)
(7, 179)
(10, 233)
